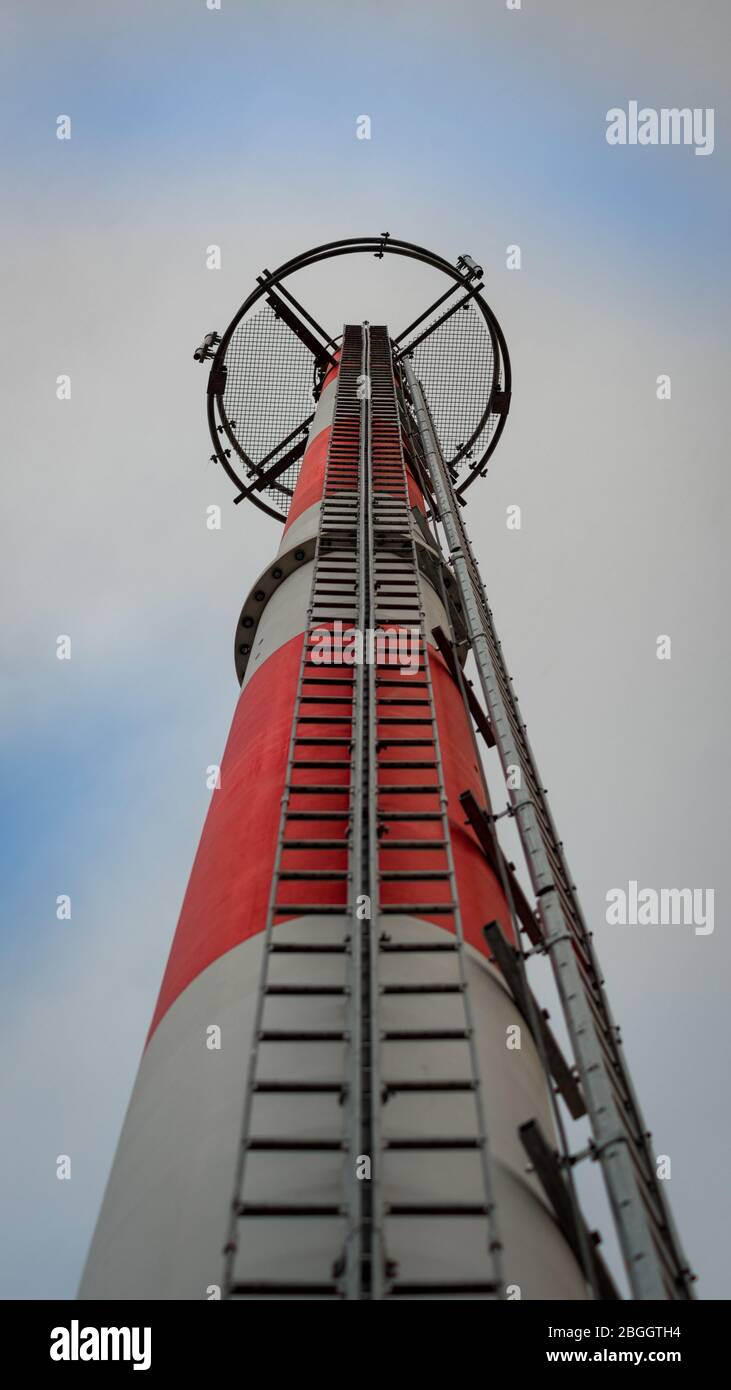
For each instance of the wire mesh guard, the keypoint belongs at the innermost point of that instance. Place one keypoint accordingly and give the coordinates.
(268, 394)
(457, 369)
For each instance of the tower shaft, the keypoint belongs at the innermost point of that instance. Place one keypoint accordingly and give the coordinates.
(332, 932)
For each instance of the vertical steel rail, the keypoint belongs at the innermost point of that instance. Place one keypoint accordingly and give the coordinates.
(366, 1278)
(354, 1251)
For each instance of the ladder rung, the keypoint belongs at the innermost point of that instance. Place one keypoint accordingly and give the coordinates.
(428, 1290)
(312, 909)
(403, 600)
(327, 719)
(404, 947)
(294, 991)
(437, 987)
(402, 719)
(325, 815)
(436, 909)
(338, 592)
(272, 1035)
(392, 700)
(428, 1087)
(404, 763)
(426, 1035)
(404, 743)
(305, 875)
(310, 741)
(407, 789)
(407, 1145)
(270, 1288)
(330, 600)
(402, 816)
(401, 875)
(326, 699)
(329, 789)
(315, 1088)
(388, 843)
(438, 1209)
(297, 1145)
(317, 764)
(393, 665)
(328, 844)
(290, 1209)
(314, 948)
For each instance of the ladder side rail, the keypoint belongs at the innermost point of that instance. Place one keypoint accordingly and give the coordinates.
(364, 1081)
(495, 1247)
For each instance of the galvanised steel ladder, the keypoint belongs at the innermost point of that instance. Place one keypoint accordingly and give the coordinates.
(312, 878)
(411, 798)
(654, 1260)
(332, 867)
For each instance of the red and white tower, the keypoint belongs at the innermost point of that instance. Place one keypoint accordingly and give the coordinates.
(347, 1073)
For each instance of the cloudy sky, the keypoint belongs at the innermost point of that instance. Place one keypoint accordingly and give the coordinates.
(237, 127)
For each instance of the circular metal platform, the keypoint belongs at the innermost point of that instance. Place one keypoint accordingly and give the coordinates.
(267, 370)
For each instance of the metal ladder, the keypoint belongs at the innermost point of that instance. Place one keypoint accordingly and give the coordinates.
(312, 874)
(415, 968)
(332, 866)
(656, 1266)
